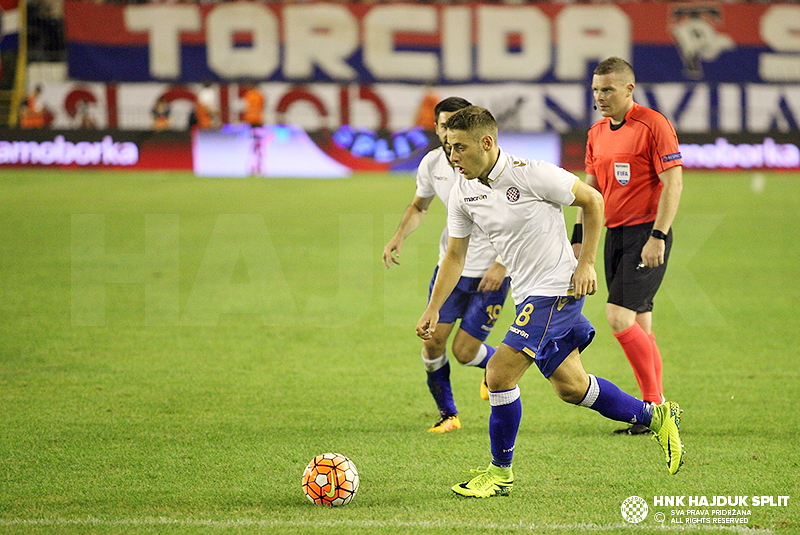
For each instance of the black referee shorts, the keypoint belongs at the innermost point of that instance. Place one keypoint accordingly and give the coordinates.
(629, 285)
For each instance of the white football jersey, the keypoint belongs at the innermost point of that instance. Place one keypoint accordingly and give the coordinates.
(435, 176)
(521, 212)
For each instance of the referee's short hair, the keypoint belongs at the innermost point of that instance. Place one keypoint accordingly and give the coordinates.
(615, 65)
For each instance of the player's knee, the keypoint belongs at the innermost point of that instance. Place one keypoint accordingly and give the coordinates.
(569, 392)
(499, 384)
(463, 353)
(434, 348)
(497, 379)
(461, 358)
(619, 321)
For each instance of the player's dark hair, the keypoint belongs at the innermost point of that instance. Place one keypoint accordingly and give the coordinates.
(450, 104)
(615, 65)
(475, 120)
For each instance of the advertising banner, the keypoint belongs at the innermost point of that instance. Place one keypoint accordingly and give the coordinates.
(452, 43)
(95, 149)
(288, 151)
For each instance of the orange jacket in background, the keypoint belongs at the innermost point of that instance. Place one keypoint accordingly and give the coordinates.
(253, 113)
(427, 107)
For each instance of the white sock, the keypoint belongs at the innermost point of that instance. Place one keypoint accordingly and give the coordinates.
(504, 397)
(592, 393)
(479, 357)
(435, 364)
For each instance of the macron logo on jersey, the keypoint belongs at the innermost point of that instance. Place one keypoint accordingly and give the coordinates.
(671, 157)
(440, 178)
(476, 198)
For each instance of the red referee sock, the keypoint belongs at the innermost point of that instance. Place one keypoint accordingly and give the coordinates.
(639, 350)
(657, 363)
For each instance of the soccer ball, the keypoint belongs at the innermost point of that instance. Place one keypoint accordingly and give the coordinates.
(330, 479)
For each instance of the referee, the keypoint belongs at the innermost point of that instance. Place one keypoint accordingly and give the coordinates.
(632, 158)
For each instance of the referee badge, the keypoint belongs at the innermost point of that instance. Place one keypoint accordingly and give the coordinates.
(512, 194)
(622, 172)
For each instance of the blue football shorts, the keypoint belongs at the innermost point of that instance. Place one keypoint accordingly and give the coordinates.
(478, 311)
(548, 329)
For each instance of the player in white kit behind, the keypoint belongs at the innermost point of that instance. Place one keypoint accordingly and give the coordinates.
(479, 294)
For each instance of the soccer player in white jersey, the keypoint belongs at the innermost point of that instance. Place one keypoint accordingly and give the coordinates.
(479, 294)
(518, 204)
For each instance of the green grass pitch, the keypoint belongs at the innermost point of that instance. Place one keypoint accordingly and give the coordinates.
(174, 350)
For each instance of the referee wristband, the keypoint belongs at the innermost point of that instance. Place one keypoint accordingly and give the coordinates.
(658, 234)
(577, 234)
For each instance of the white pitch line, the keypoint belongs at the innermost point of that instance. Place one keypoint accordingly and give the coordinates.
(422, 525)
